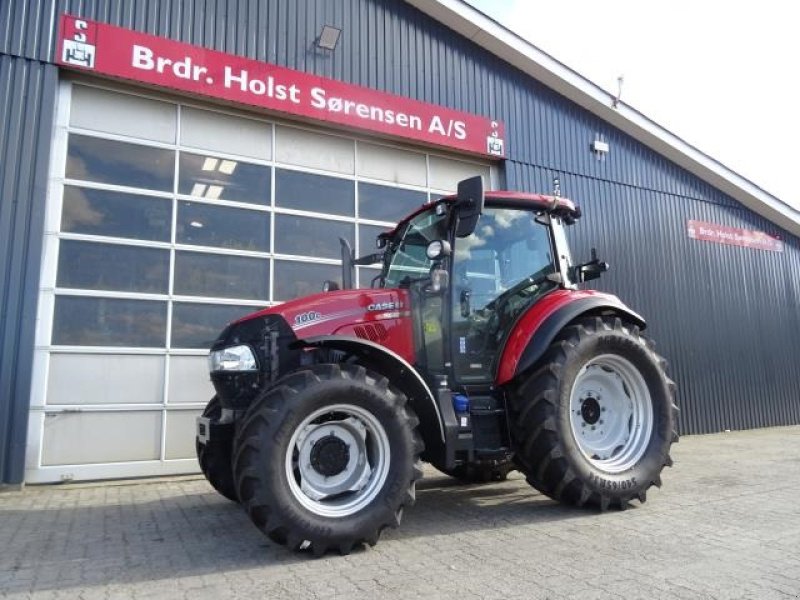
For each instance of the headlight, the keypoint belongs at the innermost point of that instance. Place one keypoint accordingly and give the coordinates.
(235, 358)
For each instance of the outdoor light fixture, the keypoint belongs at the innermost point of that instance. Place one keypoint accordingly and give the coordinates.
(600, 147)
(328, 37)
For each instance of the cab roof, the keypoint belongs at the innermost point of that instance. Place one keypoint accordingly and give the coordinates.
(562, 207)
(524, 200)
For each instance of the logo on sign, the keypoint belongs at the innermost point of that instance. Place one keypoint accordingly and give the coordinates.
(78, 51)
(494, 143)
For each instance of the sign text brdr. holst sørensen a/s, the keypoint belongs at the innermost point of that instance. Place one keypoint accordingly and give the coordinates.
(127, 54)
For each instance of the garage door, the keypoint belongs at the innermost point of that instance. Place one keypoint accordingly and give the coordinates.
(164, 221)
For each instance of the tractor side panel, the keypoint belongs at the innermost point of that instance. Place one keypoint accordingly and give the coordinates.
(382, 316)
(536, 328)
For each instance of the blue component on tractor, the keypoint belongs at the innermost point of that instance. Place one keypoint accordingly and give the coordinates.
(460, 403)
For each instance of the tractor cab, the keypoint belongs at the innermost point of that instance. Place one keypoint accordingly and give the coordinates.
(473, 263)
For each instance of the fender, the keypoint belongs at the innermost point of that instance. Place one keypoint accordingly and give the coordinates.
(401, 374)
(536, 329)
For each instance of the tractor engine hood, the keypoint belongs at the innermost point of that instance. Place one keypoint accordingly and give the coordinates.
(382, 316)
(378, 315)
(327, 313)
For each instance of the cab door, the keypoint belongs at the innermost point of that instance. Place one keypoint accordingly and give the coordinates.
(489, 289)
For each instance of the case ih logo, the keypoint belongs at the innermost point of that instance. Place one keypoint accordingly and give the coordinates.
(125, 54)
(80, 49)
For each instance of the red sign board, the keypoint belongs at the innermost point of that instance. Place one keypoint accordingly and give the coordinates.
(127, 54)
(711, 232)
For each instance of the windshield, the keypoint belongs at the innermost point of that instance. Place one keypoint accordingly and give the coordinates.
(406, 259)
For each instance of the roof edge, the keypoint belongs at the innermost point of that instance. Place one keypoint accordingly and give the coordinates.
(513, 49)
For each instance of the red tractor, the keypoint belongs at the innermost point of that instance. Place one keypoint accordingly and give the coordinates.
(473, 350)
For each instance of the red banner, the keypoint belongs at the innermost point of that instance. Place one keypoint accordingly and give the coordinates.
(127, 54)
(732, 236)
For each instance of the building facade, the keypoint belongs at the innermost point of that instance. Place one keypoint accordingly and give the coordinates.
(140, 212)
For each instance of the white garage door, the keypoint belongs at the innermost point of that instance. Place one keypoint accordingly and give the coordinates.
(166, 220)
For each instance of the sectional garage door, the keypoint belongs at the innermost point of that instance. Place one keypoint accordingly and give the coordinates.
(165, 220)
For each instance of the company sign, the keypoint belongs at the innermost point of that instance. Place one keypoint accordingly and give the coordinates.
(732, 236)
(126, 54)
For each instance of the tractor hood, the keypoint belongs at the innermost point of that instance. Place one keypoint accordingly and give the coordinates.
(378, 315)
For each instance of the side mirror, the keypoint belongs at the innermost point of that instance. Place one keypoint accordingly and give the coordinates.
(589, 270)
(469, 205)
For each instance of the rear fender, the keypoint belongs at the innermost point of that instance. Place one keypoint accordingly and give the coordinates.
(537, 328)
(401, 374)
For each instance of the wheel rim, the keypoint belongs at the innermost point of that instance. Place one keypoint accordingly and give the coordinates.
(337, 460)
(611, 413)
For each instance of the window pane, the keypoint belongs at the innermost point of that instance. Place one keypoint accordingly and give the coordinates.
(100, 110)
(100, 212)
(220, 276)
(295, 279)
(92, 266)
(198, 325)
(305, 191)
(79, 321)
(367, 234)
(224, 179)
(305, 236)
(120, 163)
(205, 225)
(383, 203)
(212, 131)
(303, 148)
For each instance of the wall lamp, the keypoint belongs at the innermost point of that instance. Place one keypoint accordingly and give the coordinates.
(328, 37)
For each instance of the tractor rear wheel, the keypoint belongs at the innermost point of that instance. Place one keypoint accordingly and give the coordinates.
(215, 457)
(594, 421)
(327, 458)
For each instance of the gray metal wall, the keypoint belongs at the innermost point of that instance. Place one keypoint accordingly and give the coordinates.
(725, 316)
(27, 91)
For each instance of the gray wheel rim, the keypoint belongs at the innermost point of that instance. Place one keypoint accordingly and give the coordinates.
(364, 470)
(611, 413)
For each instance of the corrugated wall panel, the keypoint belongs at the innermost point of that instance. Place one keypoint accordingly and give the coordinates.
(726, 317)
(27, 93)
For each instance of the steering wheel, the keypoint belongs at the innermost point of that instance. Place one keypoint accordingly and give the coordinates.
(496, 307)
(536, 278)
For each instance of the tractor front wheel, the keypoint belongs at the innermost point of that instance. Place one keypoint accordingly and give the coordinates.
(594, 421)
(327, 458)
(215, 457)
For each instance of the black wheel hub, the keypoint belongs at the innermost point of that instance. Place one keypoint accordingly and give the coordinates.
(329, 456)
(590, 410)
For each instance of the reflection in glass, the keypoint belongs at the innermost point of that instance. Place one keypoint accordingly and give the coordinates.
(306, 191)
(295, 279)
(383, 203)
(221, 276)
(198, 325)
(223, 179)
(80, 321)
(93, 266)
(305, 236)
(101, 212)
(207, 225)
(120, 163)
